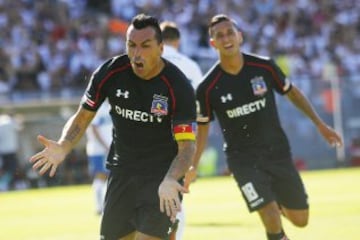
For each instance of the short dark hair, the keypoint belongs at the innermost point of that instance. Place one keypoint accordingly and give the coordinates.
(169, 31)
(142, 21)
(218, 19)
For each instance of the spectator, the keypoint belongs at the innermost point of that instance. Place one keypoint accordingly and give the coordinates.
(171, 38)
(172, 41)
(9, 145)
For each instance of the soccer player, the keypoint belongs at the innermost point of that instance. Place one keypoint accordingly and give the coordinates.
(240, 90)
(171, 37)
(98, 141)
(153, 113)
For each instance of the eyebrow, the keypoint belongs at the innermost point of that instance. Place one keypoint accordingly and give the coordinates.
(146, 41)
(225, 30)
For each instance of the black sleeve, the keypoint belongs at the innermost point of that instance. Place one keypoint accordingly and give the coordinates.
(94, 94)
(281, 83)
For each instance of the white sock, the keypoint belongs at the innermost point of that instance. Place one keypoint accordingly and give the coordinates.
(98, 189)
(181, 225)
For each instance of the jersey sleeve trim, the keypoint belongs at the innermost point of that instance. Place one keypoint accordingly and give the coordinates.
(93, 103)
(171, 91)
(207, 96)
(287, 87)
(201, 119)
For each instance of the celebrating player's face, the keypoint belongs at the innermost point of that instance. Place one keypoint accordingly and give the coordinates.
(144, 52)
(226, 38)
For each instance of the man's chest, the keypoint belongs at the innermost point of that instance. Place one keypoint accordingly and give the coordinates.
(232, 92)
(137, 98)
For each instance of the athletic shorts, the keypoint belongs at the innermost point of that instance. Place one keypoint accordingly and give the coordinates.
(263, 178)
(132, 204)
(97, 165)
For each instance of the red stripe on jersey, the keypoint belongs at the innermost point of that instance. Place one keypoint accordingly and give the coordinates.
(107, 77)
(90, 102)
(172, 95)
(207, 98)
(269, 68)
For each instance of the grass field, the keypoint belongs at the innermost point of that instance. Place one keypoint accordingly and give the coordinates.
(214, 211)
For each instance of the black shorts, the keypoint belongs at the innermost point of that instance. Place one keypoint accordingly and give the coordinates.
(132, 204)
(263, 178)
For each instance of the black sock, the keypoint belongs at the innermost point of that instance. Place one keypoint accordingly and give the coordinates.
(277, 236)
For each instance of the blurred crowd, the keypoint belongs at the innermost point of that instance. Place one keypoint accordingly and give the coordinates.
(52, 46)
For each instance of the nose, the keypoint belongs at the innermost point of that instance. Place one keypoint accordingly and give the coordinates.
(225, 38)
(137, 52)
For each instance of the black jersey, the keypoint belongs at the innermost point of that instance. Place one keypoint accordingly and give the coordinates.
(143, 112)
(245, 104)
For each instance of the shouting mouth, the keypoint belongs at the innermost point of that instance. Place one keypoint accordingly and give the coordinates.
(138, 66)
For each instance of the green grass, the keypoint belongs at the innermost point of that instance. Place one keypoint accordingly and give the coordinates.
(214, 211)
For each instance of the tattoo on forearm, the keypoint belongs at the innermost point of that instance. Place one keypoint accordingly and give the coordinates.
(73, 133)
(183, 160)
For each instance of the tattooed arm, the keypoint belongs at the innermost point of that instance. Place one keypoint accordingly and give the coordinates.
(55, 152)
(183, 160)
(169, 188)
(75, 128)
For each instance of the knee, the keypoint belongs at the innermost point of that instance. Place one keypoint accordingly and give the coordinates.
(299, 218)
(299, 221)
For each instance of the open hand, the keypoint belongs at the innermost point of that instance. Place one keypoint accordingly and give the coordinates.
(170, 203)
(330, 136)
(49, 158)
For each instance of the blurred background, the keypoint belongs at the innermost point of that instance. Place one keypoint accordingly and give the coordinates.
(49, 48)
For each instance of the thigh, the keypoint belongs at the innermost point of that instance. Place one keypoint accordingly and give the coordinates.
(120, 208)
(149, 219)
(288, 186)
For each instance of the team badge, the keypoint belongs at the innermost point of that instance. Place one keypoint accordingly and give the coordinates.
(159, 105)
(258, 86)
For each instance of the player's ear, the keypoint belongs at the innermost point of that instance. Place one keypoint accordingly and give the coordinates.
(212, 42)
(241, 39)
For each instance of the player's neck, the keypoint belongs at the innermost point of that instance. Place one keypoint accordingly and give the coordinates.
(232, 64)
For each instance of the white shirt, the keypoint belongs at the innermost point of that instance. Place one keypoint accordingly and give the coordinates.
(103, 123)
(188, 66)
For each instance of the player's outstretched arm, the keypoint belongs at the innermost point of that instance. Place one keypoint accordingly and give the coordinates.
(54, 152)
(302, 103)
(201, 142)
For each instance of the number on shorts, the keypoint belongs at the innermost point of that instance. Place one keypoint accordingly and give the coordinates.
(249, 192)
